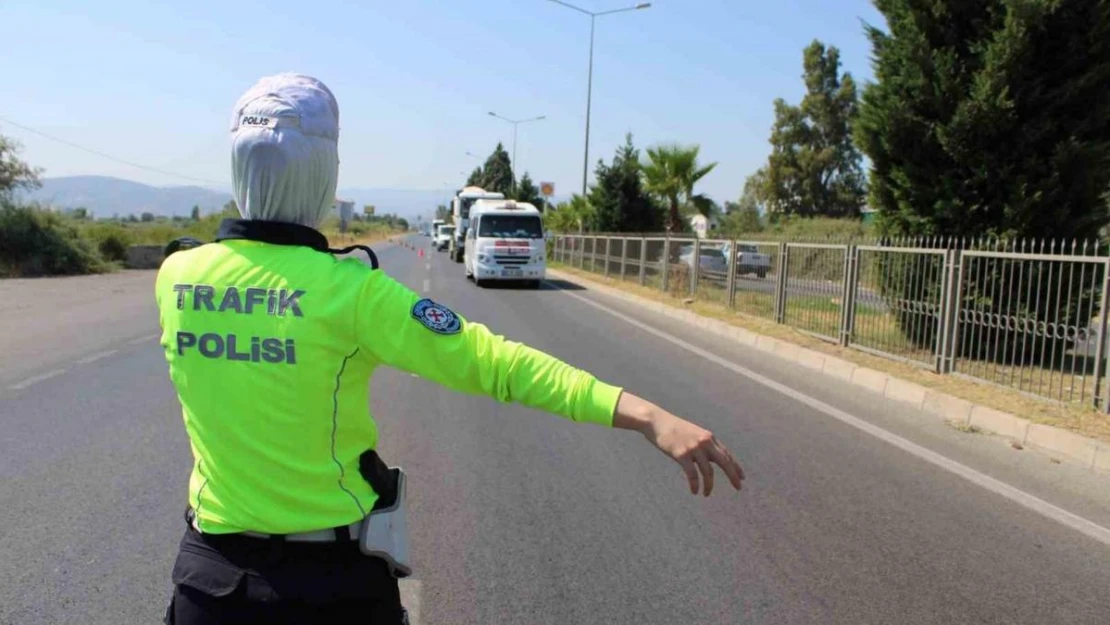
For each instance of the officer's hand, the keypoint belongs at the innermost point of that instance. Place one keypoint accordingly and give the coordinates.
(694, 448)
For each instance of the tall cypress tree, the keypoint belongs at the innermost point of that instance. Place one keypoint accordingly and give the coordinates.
(990, 117)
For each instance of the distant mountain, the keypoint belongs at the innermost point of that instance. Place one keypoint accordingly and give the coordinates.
(105, 196)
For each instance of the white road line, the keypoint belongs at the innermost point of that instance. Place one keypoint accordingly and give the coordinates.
(1020, 497)
(142, 339)
(95, 357)
(427, 285)
(427, 266)
(410, 598)
(19, 386)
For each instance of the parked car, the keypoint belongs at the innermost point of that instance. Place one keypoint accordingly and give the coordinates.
(749, 260)
(712, 259)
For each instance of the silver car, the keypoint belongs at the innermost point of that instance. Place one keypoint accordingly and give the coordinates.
(712, 260)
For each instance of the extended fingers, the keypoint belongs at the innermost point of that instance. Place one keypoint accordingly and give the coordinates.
(691, 474)
(720, 455)
(706, 471)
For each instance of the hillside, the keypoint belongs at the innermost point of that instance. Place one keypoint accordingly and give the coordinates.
(105, 196)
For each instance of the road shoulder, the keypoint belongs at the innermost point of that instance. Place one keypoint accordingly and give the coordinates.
(1059, 444)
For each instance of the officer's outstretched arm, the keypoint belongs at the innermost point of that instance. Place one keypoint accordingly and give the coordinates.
(402, 330)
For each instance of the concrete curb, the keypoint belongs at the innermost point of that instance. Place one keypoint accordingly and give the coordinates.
(1087, 452)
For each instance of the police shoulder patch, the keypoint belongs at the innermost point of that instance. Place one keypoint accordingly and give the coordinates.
(436, 317)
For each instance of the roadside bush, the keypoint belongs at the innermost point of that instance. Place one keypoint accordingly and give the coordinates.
(34, 242)
(110, 239)
(113, 247)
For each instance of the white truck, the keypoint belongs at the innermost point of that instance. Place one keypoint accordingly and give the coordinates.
(442, 237)
(505, 242)
(460, 214)
(436, 223)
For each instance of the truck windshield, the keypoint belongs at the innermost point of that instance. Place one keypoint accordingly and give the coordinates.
(514, 226)
(447, 230)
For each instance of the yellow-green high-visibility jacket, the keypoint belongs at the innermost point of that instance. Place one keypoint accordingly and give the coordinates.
(271, 342)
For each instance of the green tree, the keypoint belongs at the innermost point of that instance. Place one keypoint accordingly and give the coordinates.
(497, 173)
(195, 213)
(1005, 133)
(147, 217)
(671, 173)
(475, 179)
(442, 212)
(14, 173)
(814, 168)
(527, 191)
(992, 118)
(621, 204)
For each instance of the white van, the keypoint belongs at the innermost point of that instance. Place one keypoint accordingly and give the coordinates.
(505, 242)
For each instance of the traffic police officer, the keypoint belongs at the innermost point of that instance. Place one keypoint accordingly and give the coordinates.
(271, 341)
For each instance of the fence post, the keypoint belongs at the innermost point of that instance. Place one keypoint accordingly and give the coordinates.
(643, 260)
(666, 263)
(624, 257)
(848, 298)
(730, 297)
(695, 268)
(950, 312)
(781, 282)
(1100, 349)
(608, 255)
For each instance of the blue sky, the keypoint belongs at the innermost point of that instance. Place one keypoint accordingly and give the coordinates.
(154, 82)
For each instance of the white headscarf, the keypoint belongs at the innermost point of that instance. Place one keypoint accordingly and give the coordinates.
(285, 150)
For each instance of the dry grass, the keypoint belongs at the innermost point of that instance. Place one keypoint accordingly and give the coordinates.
(335, 239)
(1074, 417)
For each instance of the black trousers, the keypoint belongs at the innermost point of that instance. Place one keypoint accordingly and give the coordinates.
(225, 580)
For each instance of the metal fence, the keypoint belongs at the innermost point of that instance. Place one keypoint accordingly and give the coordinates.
(1028, 316)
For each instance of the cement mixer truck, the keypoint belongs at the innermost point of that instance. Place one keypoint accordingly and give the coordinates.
(460, 215)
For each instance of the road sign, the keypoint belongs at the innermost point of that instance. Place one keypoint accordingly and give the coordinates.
(547, 189)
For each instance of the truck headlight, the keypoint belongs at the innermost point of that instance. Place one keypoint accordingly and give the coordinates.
(538, 258)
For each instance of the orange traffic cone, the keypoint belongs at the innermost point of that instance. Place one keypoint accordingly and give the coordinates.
(421, 255)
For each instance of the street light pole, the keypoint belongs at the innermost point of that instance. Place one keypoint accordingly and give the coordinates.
(515, 123)
(589, 101)
(590, 77)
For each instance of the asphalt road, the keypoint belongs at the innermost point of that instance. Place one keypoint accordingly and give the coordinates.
(519, 517)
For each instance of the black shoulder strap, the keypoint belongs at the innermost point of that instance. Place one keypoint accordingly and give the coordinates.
(279, 233)
(181, 243)
(350, 248)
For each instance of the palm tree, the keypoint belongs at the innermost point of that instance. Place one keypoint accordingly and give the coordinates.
(570, 216)
(671, 173)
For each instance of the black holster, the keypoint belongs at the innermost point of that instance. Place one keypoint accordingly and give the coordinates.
(380, 477)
